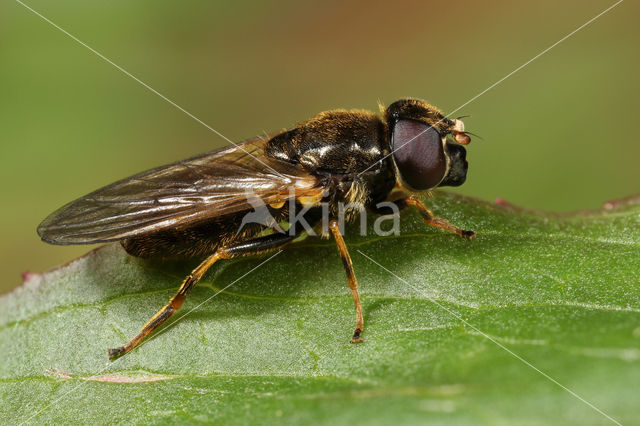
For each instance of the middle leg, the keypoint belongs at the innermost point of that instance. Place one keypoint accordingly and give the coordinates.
(351, 278)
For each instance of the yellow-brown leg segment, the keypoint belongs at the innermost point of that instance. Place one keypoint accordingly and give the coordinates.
(170, 308)
(430, 219)
(245, 248)
(351, 279)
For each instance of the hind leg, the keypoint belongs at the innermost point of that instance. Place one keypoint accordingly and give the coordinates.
(247, 248)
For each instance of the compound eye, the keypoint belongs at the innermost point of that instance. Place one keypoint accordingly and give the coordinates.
(419, 154)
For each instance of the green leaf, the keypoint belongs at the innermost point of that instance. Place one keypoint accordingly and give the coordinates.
(516, 326)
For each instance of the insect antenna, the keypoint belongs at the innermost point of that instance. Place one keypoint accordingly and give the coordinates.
(474, 135)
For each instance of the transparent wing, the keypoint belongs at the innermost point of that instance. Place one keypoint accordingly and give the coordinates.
(210, 185)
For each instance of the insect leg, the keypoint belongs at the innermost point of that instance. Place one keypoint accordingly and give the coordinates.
(430, 219)
(247, 248)
(351, 278)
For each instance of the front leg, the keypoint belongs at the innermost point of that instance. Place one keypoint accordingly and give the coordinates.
(430, 219)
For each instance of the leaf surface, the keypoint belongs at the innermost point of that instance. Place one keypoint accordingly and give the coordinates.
(516, 326)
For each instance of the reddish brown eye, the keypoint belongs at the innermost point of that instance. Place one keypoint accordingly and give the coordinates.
(419, 154)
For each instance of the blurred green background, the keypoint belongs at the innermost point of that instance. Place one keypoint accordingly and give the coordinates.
(558, 135)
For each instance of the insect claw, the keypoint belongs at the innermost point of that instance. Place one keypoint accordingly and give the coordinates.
(468, 234)
(356, 336)
(115, 353)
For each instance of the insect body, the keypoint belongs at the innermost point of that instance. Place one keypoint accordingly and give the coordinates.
(199, 207)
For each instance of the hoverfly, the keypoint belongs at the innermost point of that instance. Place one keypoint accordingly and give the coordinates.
(194, 208)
